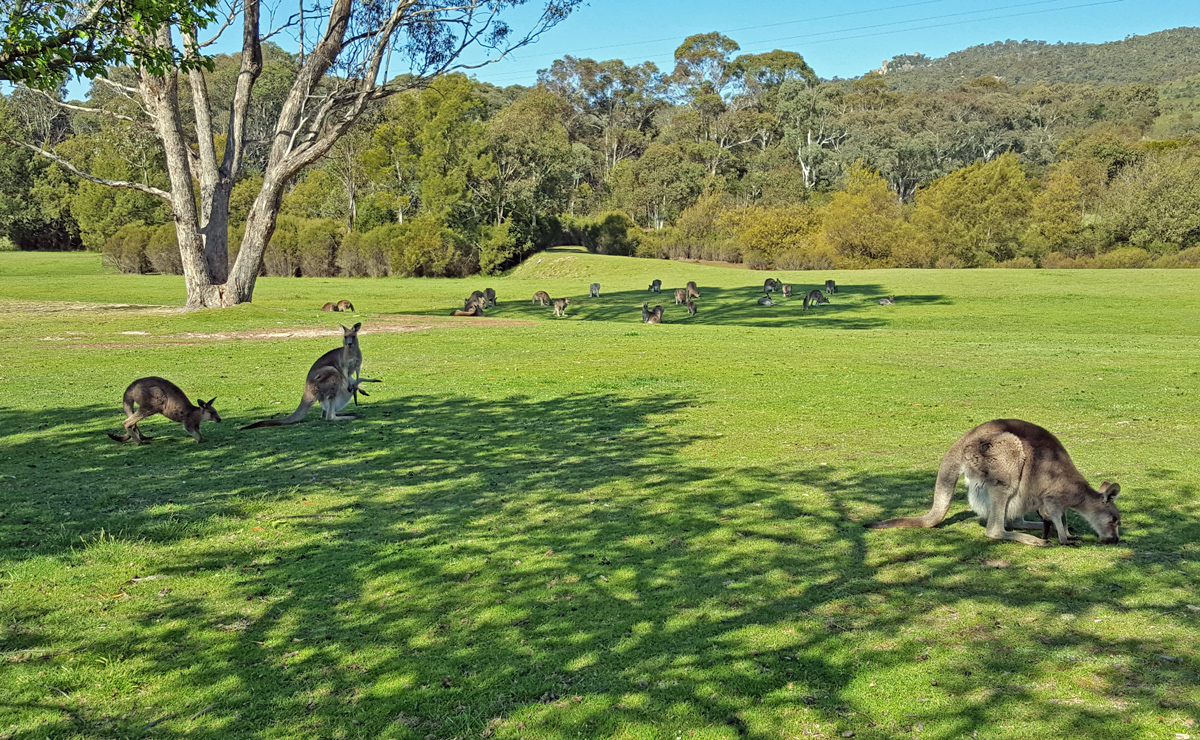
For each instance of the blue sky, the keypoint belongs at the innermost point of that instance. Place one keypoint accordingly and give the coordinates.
(843, 39)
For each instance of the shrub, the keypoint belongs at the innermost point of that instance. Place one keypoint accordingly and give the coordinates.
(282, 256)
(366, 255)
(1060, 261)
(125, 250)
(948, 262)
(1127, 257)
(162, 251)
(6, 244)
(1018, 263)
(497, 244)
(317, 243)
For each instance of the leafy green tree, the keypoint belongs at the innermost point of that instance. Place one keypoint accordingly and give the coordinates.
(863, 219)
(977, 213)
(1057, 218)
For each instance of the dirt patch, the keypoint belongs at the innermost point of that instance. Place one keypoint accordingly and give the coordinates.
(391, 325)
(60, 306)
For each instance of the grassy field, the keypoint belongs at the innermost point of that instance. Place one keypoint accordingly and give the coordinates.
(587, 526)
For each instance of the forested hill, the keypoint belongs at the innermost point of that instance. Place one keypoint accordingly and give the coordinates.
(1154, 58)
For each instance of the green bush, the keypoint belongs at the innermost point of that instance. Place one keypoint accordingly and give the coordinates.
(613, 232)
(162, 251)
(1018, 263)
(125, 250)
(497, 245)
(6, 244)
(317, 243)
(366, 255)
(282, 256)
(1124, 258)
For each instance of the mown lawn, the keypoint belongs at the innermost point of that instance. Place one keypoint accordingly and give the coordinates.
(590, 527)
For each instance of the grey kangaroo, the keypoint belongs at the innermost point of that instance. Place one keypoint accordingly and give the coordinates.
(656, 286)
(691, 305)
(560, 306)
(889, 301)
(332, 381)
(692, 290)
(814, 298)
(830, 287)
(787, 291)
(766, 301)
(769, 285)
(1014, 467)
(542, 298)
(155, 395)
(681, 296)
(595, 290)
(489, 297)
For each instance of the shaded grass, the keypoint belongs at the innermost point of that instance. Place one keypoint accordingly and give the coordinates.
(582, 527)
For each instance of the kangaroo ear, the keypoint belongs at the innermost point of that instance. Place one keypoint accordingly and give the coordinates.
(356, 327)
(344, 329)
(1109, 491)
(201, 403)
(211, 400)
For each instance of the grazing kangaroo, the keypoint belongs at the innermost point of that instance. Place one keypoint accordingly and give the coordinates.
(830, 287)
(344, 306)
(692, 290)
(541, 297)
(691, 308)
(656, 315)
(814, 298)
(889, 301)
(332, 381)
(766, 301)
(1014, 467)
(489, 297)
(770, 285)
(560, 306)
(330, 306)
(595, 290)
(681, 296)
(656, 286)
(473, 310)
(787, 291)
(160, 396)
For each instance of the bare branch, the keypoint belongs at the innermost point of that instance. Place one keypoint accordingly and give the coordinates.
(86, 109)
(225, 24)
(125, 90)
(98, 180)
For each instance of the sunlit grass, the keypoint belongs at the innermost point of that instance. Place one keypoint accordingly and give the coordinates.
(590, 527)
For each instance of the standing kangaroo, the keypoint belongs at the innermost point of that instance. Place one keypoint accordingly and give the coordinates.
(766, 301)
(787, 291)
(692, 290)
(830, 287)
(889, 301)
(769, 285)
(560, 306)
(656, 286)
(160, 396)
(814, 298)
(332, 381)
(645, 313)
(1014, 467)
(691, 305)
(595, 290)
(680, 296)
(489, 297)
(541, 298)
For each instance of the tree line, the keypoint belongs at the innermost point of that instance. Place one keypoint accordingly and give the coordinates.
(727, 156)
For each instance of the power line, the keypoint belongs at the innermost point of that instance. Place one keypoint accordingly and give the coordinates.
(513, 75)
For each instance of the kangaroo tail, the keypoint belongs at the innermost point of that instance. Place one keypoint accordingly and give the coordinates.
(943, 491)
(292, 418)
(121, 437)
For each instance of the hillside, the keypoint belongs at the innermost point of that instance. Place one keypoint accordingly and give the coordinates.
(1154, 58)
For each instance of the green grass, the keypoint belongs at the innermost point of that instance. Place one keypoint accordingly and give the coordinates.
(590, 527)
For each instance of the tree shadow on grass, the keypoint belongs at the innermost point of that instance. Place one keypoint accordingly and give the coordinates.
(473, 565)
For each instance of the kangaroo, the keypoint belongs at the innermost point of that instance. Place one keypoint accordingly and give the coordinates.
(330, 306)
(814, 298)
(595, 290)
(344, 305)
(1014, 467)
(692, 290)
(473, 310)
(541, 297)
(766, 301)
(645, 313)
(332, 381)
(680, 296)
(489, 297)
(787, 291)
(656, 286)
(656, 315)
(560, 306)
(160, 396)
(830, 287)
(889, 301)
(770, 285)
(472, 302)
(691, 305)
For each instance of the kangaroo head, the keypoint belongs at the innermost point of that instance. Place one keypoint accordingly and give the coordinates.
(350, 336)
(1101, 512)
(207, 412)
